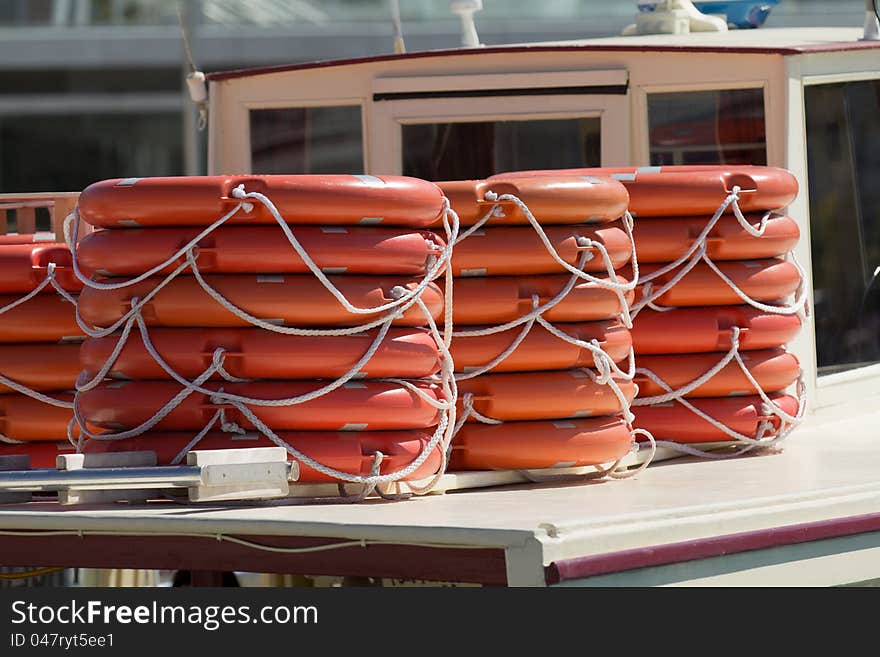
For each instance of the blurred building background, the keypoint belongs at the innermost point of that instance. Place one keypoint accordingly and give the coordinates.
(93, 89)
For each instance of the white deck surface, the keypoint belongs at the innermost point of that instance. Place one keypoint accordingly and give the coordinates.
(828, 469)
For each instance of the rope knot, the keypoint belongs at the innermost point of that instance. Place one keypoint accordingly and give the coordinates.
(398, 292)
(218, 357)
(734, 337)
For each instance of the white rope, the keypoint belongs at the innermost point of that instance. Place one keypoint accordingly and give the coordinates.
(606, 368)
(548, 244)
(787, 421)
(30, 392)
(403, 299)
(536, 312)
(48, 280)
(20, 387)
(698, 252)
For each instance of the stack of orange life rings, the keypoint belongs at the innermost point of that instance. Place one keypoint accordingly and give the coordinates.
(541, 340)
(247, 311)
(39, 347)
(713, 308)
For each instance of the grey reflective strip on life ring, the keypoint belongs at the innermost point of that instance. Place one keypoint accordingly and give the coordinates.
(128, 182)
(369, 180)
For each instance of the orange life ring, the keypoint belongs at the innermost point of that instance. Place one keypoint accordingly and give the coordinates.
(42, 367)
(290, 300)
(42, 455)
(534, 445)
(689, 190)
(355, 406)
(773, 369)
(25, 418)
(24, 266)
(262, 250)
(517, 250)
(347, 451)
(301, 199)
(540, 349)
(699, 330)
(762, 280)
(499, 299)
(256, 354)
(542, 395)
(558, 199)
(665, 240)
(672, 421)
(44, 318)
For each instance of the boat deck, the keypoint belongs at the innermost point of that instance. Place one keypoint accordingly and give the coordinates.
(809, 514)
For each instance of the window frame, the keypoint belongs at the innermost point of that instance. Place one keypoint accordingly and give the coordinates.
(242, 138)
(837, 387)
(612, 109)
(641, 115)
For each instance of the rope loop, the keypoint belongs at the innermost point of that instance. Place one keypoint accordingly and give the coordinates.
(401, 299)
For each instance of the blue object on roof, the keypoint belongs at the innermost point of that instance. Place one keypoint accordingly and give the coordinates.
(739, 13)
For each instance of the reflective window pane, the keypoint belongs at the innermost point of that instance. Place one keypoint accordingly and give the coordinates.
(62, 153)
(461, 151)
(307, 140)
(843, 156)
(707, 127)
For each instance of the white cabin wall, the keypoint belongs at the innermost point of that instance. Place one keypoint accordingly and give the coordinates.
(648, 72)
(663, 71)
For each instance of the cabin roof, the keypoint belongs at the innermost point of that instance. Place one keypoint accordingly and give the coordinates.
(771, 41)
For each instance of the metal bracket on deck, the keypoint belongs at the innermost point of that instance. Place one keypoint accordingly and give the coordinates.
(208, 476)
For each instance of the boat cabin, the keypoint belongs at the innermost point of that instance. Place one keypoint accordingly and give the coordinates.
(807, 100)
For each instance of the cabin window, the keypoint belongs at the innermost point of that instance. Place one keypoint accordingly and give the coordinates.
(461, 151)
(707, 127)
(843, 159)
(294, 140)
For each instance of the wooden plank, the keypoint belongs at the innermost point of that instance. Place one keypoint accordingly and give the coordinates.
(13, 205)
(26, 219)
(64, 206)
(35, 196)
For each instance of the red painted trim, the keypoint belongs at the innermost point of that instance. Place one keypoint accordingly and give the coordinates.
(706, 548)
(483, 566)
(461, 52)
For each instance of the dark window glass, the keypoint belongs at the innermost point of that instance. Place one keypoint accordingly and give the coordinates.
(462, 151)
(843, 156)
(68, 153)
(307, 140)
(707, 127)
